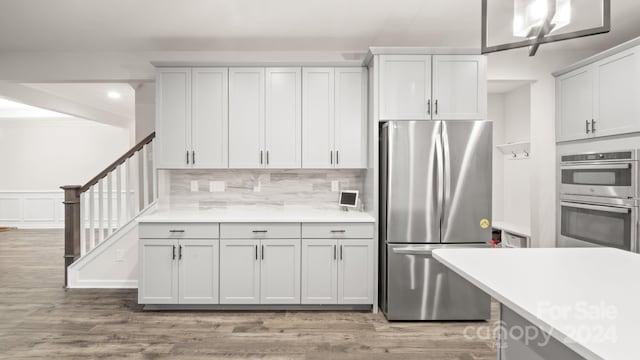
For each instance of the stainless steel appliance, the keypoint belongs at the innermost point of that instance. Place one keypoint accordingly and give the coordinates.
(599, 200)
(435, 186)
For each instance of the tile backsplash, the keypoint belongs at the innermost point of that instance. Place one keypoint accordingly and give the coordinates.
(271, 188)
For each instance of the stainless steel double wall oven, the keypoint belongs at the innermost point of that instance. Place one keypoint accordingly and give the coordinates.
(599, 200)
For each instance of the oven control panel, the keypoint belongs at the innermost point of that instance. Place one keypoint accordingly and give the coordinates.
(608, 156)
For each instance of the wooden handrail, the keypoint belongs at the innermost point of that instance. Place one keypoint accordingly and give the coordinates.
(116, 163)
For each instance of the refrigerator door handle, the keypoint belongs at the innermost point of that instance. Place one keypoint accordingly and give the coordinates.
(413, 251)
(446, 182)
(440, 179)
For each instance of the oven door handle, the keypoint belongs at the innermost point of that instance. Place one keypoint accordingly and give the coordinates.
(595, 167)
(614, 209)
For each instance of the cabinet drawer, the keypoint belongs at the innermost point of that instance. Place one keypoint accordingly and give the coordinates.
(179, 231)
(337, 230)
(260, 230)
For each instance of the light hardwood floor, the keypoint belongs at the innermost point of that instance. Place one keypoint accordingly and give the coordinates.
(40, 319)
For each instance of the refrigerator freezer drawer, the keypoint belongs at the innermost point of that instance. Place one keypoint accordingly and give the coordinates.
(418, 287)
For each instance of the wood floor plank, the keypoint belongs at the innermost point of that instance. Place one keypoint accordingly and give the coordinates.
(41, 320)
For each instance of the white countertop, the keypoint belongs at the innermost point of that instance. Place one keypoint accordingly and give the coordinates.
(252, 214)
(512, 228)
(533, 281)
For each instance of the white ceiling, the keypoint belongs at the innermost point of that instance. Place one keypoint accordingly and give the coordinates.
(95, 96)
(236, 25)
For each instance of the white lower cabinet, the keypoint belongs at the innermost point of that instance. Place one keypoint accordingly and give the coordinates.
(239, 271)
(178, 271)
(280, 271)
(337, 271)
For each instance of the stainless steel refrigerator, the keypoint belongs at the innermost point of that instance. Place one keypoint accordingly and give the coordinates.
(435, 183)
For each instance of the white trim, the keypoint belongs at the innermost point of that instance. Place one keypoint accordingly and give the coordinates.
(37, 209)
(105, 284)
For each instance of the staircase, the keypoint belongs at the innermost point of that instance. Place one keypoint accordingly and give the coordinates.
(100, 210)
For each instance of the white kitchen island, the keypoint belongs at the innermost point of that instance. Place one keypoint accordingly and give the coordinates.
(570, 303)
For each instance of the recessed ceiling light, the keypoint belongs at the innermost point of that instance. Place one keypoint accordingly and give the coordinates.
(114, 95)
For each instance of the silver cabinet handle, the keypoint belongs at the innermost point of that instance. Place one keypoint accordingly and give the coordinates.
(609, 209)
(428, 106)
(256, 252)
(337, 157)
(193, 157)
(262, 251)
(340, 252)
(335, 251)
(436, 107)
(187, 156)
(267, 157)
(180, 252)
(331, 156)
(176, 231)
(258, 231)
(338, 231)
(593, 126)
(586, 125)
(173, 253)
(260, 157)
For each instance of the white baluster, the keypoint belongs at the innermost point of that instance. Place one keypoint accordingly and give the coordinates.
(136, 184)
(92, 209)
(145, 176)
(119, 221)
(100, 212)
(83, 235)
(127, 187)
(154, 183)
(109, 204)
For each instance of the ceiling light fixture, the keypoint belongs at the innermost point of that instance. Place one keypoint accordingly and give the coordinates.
(537, 20)
(114, 95)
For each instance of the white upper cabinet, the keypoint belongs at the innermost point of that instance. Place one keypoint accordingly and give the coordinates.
(600, 99)
(459, 87)
(246, 118)
(173, 117)
(283, 137)
(210, 118)
(405, 87)
(574, 93)
(334, 118)
(351, 117)
(318, 118)
(616, 107)
(280, 271)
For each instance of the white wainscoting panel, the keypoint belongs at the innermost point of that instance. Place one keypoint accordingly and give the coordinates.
(32, 209)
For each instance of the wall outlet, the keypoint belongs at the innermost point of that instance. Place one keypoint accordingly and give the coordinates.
(335, 185)
(194, 185)
(216, 186)
(257, 187)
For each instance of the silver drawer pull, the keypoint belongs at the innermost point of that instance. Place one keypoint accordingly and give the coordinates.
(176, 231)
(259, 231)
(338, 231)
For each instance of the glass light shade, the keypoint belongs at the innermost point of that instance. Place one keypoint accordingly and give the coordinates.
(529, 15)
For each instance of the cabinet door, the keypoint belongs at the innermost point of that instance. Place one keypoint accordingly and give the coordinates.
(616, 94)
(355, 271)
(319, 271)
(246, 118)
(459, 87)
(317, 118)
(158, 272)
(283, 141)
(210, 118)
(198, 269)
(239, 272)
(351, 117)
(173, 117)
(280, 271)
(405, 87)
(574, 99)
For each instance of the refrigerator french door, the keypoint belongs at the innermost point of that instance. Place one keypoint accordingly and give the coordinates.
(435, 183)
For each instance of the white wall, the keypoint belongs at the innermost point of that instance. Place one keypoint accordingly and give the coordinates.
(43, 154)
(495, 113)
(145, 110)
(517, 65)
